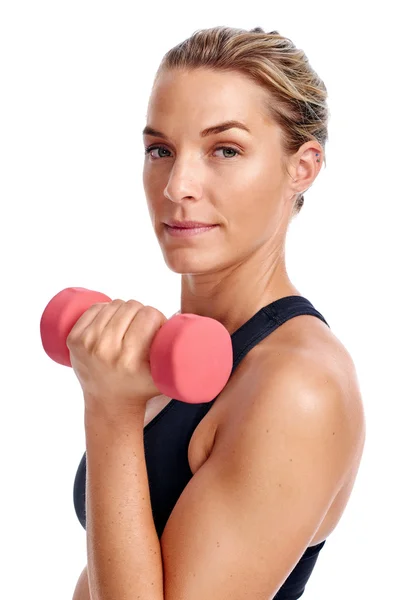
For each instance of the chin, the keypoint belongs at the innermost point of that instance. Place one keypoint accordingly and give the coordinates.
(193, 263)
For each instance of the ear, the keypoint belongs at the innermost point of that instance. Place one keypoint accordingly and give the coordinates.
(304, 166)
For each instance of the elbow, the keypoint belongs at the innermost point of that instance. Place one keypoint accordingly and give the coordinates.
(82, 591)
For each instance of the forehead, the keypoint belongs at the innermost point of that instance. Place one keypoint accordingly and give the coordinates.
(205, 97)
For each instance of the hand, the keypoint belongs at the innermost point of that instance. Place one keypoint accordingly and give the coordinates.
(110, 353)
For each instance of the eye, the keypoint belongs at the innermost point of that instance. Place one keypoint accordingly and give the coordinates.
(230, 149)
(150, 149)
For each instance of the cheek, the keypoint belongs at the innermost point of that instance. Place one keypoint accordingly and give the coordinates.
(151, 188)
(148, 181)
(254, 190)
(261, 172)
(252, 210)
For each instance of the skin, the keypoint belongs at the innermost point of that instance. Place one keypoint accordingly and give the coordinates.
(249, 195)
(229, 274)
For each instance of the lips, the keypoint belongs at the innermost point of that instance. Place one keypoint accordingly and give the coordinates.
(188, 224)
(188, 232)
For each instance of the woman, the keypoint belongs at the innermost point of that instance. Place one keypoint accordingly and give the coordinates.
(233, 498)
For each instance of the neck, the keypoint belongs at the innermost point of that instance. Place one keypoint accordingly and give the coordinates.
(234, 294)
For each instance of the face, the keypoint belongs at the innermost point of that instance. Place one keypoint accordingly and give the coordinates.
(233, 178)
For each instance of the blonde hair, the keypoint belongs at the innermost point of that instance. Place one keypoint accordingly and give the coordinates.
(298, 95)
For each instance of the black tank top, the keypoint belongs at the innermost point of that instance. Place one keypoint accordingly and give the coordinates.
(167, 437)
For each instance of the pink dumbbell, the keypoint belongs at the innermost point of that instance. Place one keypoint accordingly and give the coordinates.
(190, 358)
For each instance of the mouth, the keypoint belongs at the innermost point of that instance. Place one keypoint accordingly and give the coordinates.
(188, 231)
(186, 224)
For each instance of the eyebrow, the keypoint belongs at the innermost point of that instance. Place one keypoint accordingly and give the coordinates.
(209, 131)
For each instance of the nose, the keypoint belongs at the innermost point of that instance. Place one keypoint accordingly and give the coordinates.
(183, 183)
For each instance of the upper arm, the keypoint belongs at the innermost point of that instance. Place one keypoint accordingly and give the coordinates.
(248, 514)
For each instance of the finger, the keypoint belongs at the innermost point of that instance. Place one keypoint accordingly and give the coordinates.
(116, 327)
(144, 327)
(83, 322)
(90, 323)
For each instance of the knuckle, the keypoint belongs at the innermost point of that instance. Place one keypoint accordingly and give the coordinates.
(153, 315)
(70, 340)
(101, 349)
(134, 303)
(148, 311)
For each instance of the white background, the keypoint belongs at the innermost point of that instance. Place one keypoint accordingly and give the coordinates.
(75, 79)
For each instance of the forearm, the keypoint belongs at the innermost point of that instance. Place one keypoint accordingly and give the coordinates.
(123, 550)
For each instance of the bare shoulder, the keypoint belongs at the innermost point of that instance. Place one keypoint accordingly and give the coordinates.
(306, 346)
(302, 372)
(271, 484)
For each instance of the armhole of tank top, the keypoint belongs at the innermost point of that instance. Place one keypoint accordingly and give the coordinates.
(162, 412)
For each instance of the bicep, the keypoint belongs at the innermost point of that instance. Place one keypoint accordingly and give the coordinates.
(247, 516)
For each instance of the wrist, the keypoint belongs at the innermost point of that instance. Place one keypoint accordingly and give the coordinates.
(96, 416)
